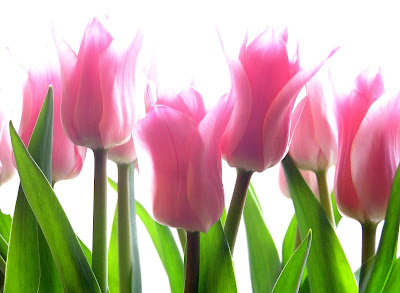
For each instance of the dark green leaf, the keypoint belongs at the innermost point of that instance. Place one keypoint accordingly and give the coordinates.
(113, 269)
(216, 268)
(290, 278)
(265, 265)
(74, 270)
(377, 276)
(27, 244)
(327, 266)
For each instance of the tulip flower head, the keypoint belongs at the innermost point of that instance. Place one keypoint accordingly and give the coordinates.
(178, 147)
(96, 112)
(265, 84)
(123, 154)
(67, 158)
(368, 153)
(314, 143)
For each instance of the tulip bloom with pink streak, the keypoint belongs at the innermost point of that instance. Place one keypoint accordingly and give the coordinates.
(178, 147)
(96, 110)
(123, 154)
(67, 158)
(368, 128)
(314, 143)
(265, 84)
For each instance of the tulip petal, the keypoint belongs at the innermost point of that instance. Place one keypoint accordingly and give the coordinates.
(163, 152)
(205, 190)
(375, 155)
(276, 127)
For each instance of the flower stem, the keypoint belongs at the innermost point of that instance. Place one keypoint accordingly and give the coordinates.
(324, 196)
(192, 262)
(99, 250)
(124, 239)
(236, 208)
(368, 241)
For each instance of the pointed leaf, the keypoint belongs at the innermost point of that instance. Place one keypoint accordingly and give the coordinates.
(336, 213)
(265, 265)
(290, 278)
(393, 284)
(5, 226)
(326, 260)
(27, 244)
(74, 270)
(378, 274)
(289, 241)
(216, 267)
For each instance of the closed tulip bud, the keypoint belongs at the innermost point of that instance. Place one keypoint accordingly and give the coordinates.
(314, 143)
(178, 147)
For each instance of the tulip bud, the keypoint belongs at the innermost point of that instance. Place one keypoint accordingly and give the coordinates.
(314, 143)
(368, 153)
(178, 147)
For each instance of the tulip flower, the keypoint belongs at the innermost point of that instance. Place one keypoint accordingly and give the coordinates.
(314, 143)
(265, 84)
(123, 154)
(96, 112)
(67, 158)
(7, 168)
(181, 144)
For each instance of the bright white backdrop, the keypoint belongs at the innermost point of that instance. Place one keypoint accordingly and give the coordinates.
(187, 50)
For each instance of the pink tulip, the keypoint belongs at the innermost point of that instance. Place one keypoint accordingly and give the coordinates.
(314, 143)
(123, 154)
(368, 154)
(96, 108)
(178, 147)
(265, 84)
(67, 159)
(7, 168)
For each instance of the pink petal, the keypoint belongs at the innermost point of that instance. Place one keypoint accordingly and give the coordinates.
(277, 122)
(375, 155)
(205, 190)
(123, 154)
(163, 141)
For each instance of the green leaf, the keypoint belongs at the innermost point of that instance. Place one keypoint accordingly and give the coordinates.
(165, 245)
(327, 266)
(393, 284)
(336, 213)
(28, 246)
(290, 278)
(289, 241)
(74, 270)
(265, 265)
(216, 267)
(378, 274)
(113, 269)
(86, 251)
(5, 226)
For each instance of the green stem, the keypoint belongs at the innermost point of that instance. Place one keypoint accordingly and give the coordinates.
(99, 250)
(368, 241)
(236, 208)
(182, 238)
(124, 239)
(324, 196)
(192, 262)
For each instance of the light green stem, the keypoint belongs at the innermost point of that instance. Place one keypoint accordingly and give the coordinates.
(324, 196)
(236, 208)
(99, 250)
(192, 262)
(124, 239)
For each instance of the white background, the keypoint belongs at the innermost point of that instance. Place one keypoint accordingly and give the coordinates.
(181, 35)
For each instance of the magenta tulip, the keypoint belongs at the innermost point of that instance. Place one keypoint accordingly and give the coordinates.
(265, 84)
(96, 110)
(178, 147)
(67, 159)
(314, 143)
(368, 154)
